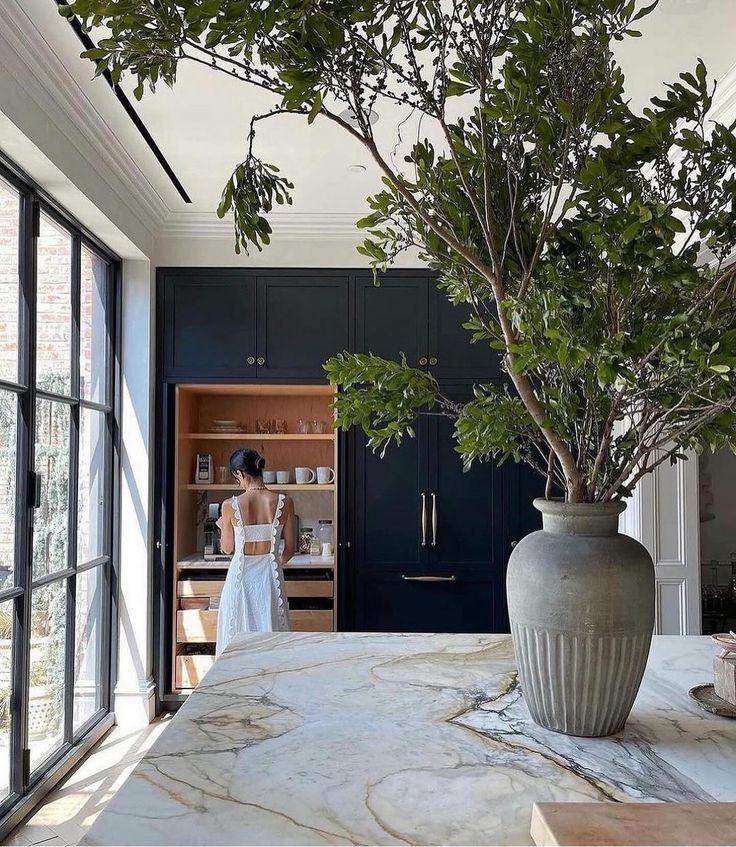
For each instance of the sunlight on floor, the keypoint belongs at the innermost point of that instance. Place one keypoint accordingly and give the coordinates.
(70, 809)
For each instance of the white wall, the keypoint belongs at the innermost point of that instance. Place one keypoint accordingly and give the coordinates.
(283, 252)
(134, 691)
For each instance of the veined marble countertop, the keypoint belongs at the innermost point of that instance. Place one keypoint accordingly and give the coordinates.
(350, 738)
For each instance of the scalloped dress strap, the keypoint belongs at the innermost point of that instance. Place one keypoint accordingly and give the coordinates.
(275, 538)
(236, 509)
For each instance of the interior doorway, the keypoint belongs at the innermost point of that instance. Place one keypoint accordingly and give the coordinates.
(717, 480)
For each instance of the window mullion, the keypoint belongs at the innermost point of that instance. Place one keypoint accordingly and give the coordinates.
(24, 524)
(76, 289)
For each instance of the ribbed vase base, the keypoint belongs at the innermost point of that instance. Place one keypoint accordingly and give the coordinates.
(580, 685)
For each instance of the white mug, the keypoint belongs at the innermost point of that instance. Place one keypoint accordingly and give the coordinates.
(325, 476)
(282, 477)
(269, 477)
(326, 549)
(304, 476)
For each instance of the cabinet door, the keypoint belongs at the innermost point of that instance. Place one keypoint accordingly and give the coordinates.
(392, 603)
(392, 318)
(466, 508)
(302, 321)
(387, 505)
(210, 324)
(450, 343)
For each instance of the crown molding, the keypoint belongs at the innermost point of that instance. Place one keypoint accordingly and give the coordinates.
(48, 81)
(291, 225)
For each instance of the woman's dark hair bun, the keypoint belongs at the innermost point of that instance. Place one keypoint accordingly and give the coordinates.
(247, 461)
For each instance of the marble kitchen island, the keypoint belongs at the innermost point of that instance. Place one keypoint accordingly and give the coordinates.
(350, 738)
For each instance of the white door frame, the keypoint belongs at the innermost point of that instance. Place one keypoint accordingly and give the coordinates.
(664, 515)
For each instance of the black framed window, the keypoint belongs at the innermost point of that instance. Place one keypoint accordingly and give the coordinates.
(58, 299)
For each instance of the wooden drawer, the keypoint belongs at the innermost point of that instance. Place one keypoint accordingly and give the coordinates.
(310, 620)
(196, 626)
(199, 587)
(308, 587)
(190, 670)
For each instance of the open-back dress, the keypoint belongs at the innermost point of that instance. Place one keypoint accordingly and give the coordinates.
(252, 598)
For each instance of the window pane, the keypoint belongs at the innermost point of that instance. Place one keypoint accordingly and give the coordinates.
(8, 447)
(48, 651)
(54, 309)
(91, 512)
(9, 283)
(6, 681)
(93, 331)
(50, 520)
(88, 662)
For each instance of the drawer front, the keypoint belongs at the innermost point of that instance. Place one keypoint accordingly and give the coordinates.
(196, 626)
(310, 620)
(190, 670)
(199, 587)
(308, 587)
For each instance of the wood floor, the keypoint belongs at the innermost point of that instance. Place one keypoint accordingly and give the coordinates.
(69, 810)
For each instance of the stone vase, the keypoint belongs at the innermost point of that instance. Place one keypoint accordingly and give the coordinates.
(581, 605)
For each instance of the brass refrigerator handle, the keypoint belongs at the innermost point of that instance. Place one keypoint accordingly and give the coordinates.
(424, 519)
(428, 578)
(434, 519)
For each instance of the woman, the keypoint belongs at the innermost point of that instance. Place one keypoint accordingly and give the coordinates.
(252, 525)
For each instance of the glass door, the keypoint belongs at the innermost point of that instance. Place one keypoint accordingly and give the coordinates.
(56, 486)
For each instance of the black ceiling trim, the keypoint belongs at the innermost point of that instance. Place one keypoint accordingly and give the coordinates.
(128, 106)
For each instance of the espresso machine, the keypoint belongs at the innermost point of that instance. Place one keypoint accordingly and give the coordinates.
(212, 550)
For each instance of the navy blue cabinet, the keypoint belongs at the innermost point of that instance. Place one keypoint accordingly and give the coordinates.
(451, 353)
(393, 319)
(429, 541)
(210, 323)
(302, 321)
(238, 325)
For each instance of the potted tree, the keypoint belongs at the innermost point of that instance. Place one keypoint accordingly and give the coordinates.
(590, 242)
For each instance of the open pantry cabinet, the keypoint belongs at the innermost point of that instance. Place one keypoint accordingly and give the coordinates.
(310, 581)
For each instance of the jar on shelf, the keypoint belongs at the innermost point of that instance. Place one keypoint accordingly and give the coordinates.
(325, 536)
(306, 536)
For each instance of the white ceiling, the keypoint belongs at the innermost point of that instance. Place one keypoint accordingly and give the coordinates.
(202, 124)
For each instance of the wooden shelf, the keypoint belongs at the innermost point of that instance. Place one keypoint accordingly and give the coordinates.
(301, 560)
(255, 436)
(313, 486)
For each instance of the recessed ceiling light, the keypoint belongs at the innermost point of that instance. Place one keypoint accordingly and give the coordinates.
(349, 116)
(357, 169)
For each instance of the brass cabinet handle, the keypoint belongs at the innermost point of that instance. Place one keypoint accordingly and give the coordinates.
(428, 578)
(432, 360)
(251, 360)
(434, 519)
(424, 519)
(261, 360)
(423, 361)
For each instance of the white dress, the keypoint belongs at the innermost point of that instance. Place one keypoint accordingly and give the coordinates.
(252, 598)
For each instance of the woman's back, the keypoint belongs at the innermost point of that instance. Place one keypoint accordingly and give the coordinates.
(258, 507)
